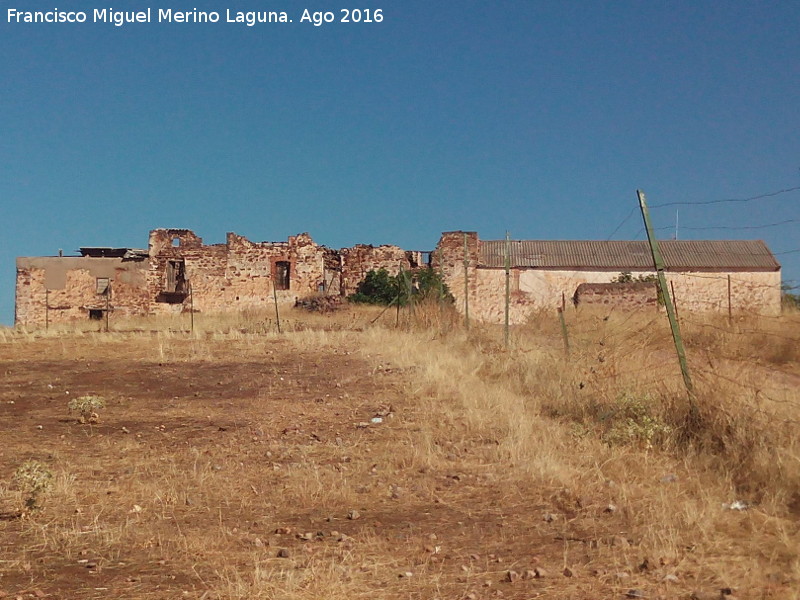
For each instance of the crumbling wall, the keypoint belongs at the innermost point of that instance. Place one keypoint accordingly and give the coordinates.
(449, 258)
(239, 274)
(253, 266)
(361, 259)
(59, 289)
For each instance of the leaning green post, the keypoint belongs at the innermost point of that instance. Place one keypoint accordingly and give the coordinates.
(662, 284)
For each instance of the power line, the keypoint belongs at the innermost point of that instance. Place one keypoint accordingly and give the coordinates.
(726, 200)
(625, 220)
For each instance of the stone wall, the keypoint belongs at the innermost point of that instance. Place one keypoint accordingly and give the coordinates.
(448, 258)
(59, 289)
(540, 289)
(361, 259)
(534, 289)
(181, 273)
(630, 295)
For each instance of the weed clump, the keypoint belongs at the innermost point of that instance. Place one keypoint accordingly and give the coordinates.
(632, 423)
(87, 407)
(33, 479)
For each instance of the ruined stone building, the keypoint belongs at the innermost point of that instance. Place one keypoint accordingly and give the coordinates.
(177, 273)
(546, 274)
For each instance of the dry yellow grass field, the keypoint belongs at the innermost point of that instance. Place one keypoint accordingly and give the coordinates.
(374, 455)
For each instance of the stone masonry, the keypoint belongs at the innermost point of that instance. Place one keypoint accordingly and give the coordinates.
(178, 272)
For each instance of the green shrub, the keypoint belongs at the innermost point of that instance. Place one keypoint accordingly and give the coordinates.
(378, 287)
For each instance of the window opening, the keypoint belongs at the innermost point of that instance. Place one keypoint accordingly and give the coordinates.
(176, 277)
(102, 285)
(95, 314)
(282, 274)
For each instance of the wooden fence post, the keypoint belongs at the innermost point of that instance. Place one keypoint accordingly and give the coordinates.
(466, 283)
(564, 331)
(730, 309)
(508, 289)
(275, 299)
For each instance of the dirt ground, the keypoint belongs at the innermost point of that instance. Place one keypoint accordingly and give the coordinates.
(254, 467)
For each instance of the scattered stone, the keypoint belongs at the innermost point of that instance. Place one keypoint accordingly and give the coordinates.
(611, 508)
(353, 515)
(474, 556)
(283, 530)
(125, 430)
(539, 573)
(406, 575)
(567, 572)
(645, 565)
(548, 517)
(258, 543)
(283, 553)
(306, 537)
(670, 578)
(529, 574)
(634, 593)
(512, 576)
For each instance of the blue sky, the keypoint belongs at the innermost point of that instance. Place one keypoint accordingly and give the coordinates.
(542, 118)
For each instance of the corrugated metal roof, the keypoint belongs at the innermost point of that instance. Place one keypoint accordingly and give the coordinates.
(629, 255)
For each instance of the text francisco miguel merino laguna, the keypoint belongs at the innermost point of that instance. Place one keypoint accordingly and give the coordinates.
(162, 15)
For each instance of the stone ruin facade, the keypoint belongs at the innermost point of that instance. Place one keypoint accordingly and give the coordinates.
(179, 273)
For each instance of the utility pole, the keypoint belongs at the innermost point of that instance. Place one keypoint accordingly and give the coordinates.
(662, 284)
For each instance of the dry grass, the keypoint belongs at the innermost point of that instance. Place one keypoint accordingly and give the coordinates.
(489, 459)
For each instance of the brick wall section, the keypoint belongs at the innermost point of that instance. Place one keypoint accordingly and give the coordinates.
(623, 295)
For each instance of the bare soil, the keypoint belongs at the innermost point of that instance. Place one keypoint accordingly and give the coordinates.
(219, 459)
